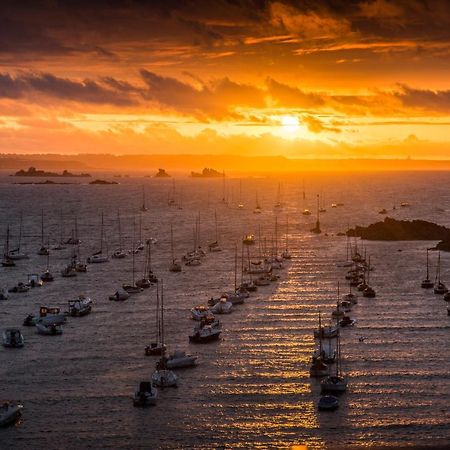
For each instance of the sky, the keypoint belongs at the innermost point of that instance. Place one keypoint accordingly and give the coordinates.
(302, 79)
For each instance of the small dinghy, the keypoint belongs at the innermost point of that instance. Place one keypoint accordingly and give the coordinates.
(10, 413)
(223, 306)
(146, 395)
(12, 338)
(80, 307)
(328, 403)
(120, 295)
(179, 360)
(47, 316)
(50, 330)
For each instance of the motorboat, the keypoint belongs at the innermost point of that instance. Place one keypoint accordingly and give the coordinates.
(120, 295)
(179, 360)
(146, 394)
(199, 312)
(19, 288)
(13, 338)
(10, 413)
(3, 294)
(97, 258)
(223, 306)
(47, 276)
(34, 280)
(249, 239)
(206, 332)
(334, 384)
(17, 255)
(346, 306)
(306, 212)
(49, 329)
(328, 403)
(318, 369)
(47, 316)
(80, 307)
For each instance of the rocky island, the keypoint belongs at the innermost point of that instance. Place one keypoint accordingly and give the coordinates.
(207, 173)
(103, 182)
(162, 174)
(33, 172)
(404, 230)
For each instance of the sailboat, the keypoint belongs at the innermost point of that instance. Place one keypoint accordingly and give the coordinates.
(99, 257)
(322, 208)
(175, 266)
(439, 287)
(214, 246)
(143, 207)
(156, 347)
(132, 288)
(120, 252)
(43, 251)
(336, 383)
(140, 245)
(60, 244)
(7, 261)
(163, 376)
(286, 254)
(148, 276)
(427, 283)
(47, 276)
(318, 367)
(317, 229)
(16, 254)
(258, 209)
(240, 204)
(369, 291)
(278, 204)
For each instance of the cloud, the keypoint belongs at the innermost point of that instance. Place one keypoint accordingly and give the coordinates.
(432, 101)
(316, 126)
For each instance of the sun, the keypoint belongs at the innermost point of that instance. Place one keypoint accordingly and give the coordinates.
(290, 125)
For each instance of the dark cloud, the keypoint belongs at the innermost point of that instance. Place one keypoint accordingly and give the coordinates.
(45, 84)
(433, 101)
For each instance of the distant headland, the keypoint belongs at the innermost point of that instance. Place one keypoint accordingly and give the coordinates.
(207, 173)
(162, 174)
(103, 182)
(33, 172)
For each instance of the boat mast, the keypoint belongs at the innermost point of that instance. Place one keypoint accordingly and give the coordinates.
(428, 274)
(101, 236)
(287, 232)
(438, 274)
(6, 252)
(235, 267)
(320, 335)
(120, 230)
(162, 319)
(171, 242)
(276, 236)
(42, 227)
(158, 321)
(20, 231)
(215, 220)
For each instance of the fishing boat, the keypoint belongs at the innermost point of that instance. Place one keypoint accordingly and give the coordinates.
(146, 394)
(99, 256)
(163, 376)
(336, 383)
(7, 261)
(179, 359)
(427, 283)
(316, 228)
(80, 307)
(175, 266)
(119, 253)
(120, 295)
(143, 206)
(13, 338)
(157, 347)
(10, 413)
(43, 250)
(328, 403)
(47, 316)
(48, 329)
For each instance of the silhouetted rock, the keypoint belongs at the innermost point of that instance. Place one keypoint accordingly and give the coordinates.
(33, 172)
(103, 182)
(401, 230)
(162, 174)
(207, 173)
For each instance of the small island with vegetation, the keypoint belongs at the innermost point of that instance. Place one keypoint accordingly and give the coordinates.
(33, 172)
(103, 182)
(208, 173)
(162, 174)
(404, 230)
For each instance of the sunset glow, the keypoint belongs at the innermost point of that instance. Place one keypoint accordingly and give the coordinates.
(366, 79)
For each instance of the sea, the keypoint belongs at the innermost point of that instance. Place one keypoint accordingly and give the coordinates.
(251, 389)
